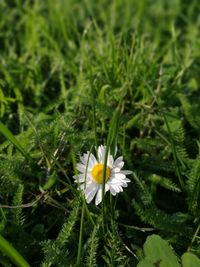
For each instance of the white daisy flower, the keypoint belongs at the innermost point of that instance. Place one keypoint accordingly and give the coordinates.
(91, 170)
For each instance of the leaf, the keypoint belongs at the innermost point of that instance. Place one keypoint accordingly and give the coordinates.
(12, 253)
(191, 111)
(194, 186)
(145, 263)
(190, 260)
(7, 133)
(158, 253)
(51, 181)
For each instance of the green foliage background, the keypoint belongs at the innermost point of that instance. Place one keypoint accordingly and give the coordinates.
(64, 68)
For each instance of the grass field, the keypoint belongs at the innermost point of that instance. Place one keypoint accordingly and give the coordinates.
(75, 75)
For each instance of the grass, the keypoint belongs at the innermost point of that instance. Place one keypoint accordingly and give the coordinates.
(77, 74)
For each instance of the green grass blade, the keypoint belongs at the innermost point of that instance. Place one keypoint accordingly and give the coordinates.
(7, 133)
(110, 145)
(12, 253)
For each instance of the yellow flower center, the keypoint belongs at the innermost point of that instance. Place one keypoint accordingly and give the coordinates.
(97, 173)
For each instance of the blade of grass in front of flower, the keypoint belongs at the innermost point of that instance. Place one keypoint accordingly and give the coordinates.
(84, 206)
(12, 253)
(111, 142)
(84, 209)
(7, 133)
(73, 158)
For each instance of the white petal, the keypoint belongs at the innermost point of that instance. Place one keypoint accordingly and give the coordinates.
(120, 188)
(115, 170)
(119, 182)
(80, 167)
(101, 153)
(89, 189)
(110, 161)
(91, 195)
(119, 175)
(92, 161)
(116, 187)
(98, 198)
(81, 178)
(106, 187)
(82, 186)
(115, 182)
(120, 165)
(127, 180)
(126, 172)
(123, 184)
(88, 160)
(112, 190)
(86, 155)
(90, 192)
(118, 160)
(83, 160)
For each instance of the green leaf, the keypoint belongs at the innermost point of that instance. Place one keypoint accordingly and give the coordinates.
(7, 133)
(12, 253)
(51, 181)
(190, 260)
(158, 253)
(146, 263)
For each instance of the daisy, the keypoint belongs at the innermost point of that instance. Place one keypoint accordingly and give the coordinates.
(91, 171)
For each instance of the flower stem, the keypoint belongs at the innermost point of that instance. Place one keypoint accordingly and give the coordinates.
(111, 140)
(78, 262)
